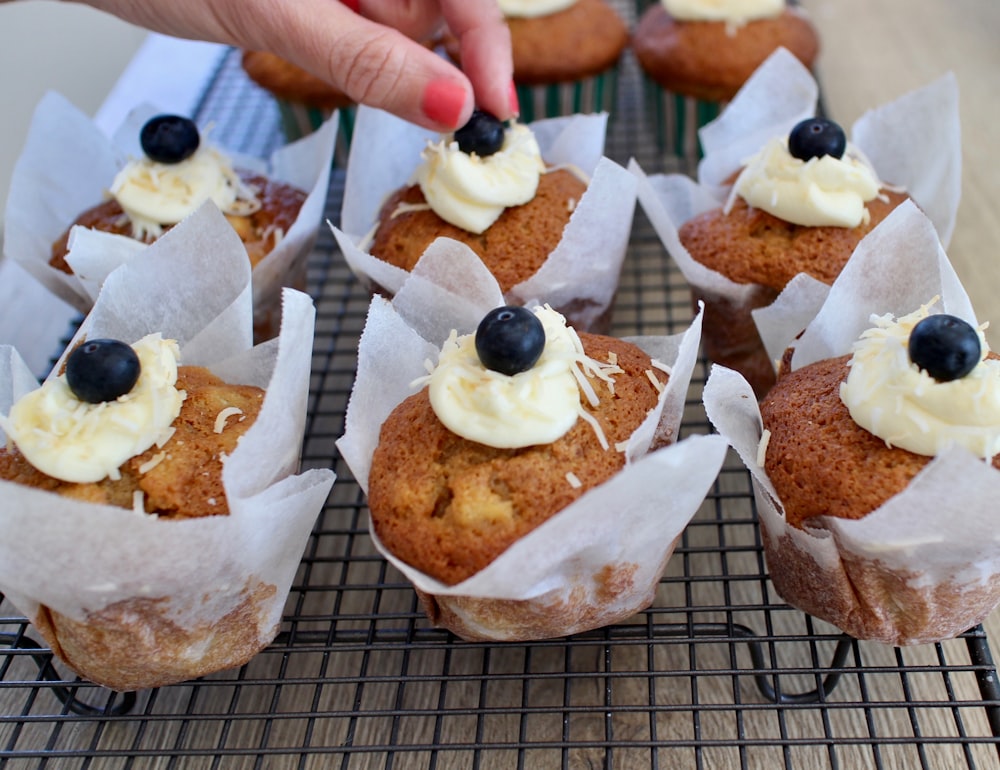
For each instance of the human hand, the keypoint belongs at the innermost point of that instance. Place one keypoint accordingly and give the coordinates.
(366, 48)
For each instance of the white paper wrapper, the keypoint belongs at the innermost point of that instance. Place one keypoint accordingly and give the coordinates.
(580, 276)
(67, 165)
(913, 142)
(594, 563)
(132, 601)
(926, 565)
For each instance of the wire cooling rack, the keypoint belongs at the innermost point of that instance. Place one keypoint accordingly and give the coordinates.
(718, 673)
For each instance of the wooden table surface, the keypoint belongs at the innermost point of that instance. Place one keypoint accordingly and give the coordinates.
(872, 52)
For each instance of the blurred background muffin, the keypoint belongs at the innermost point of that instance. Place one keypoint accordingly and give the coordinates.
(696, 54)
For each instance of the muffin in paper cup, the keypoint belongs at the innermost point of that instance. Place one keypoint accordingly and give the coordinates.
(130, 599)
(923, 564)
(912, 145)
(693, 66)
(67, 166)
(594, 562)
(580, 275)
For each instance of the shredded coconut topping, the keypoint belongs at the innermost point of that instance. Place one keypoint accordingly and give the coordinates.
(225, 414)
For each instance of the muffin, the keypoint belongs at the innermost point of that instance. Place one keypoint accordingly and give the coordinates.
(106, 187)
(781, 194)
(801, 205)
(565, 54)
(698, 54)
(514, 224)
(884, 421)
(190, 420)
(489, 486)
(304, 101)
(153, 515)
(553, 229)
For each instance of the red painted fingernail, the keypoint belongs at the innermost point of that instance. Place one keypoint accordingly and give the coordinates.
(515, 104)
(443, 102)
(354, 5)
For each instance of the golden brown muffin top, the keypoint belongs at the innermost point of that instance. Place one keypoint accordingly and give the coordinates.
(260, 231)
(748, 245)
(820, 461)
(513, 248)
(187, 481)
(702, 59)
(449, 506)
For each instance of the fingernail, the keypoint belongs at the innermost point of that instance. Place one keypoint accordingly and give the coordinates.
(515, 104)
(443, 102)
(354, 5)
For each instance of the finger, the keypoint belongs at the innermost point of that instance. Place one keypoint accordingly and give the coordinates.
(485, 52)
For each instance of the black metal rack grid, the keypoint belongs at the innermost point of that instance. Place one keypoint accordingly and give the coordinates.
(718, 673)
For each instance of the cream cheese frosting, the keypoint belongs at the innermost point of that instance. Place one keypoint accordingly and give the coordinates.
(736, 12)
(890, 397)
(155, 194)
(77, 441)
(526, 9)
(818, 192)
(472, 192)
(536, 406)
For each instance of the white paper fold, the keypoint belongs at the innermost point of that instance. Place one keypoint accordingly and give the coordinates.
(581, 274)
(78, 559)
(934, 548)
(629, 523)
(67, 165)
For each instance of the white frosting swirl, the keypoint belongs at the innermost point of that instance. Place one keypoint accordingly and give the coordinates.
(735, 12)
(77, 441)
(890, 397)
(155, 194)
(472, 192)
(536, 406)
(814, 193)
(527, 9)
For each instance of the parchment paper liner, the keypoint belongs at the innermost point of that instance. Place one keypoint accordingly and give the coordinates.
(926, 565)
(67, 165)
(580, 276)
(594, 563)
(132, 601)
(913, 142)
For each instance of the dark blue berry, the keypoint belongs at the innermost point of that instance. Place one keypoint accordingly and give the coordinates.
(945, 347)
(169, 138)
(101, 370)
(816, 137)
(510, 339)
(482, 135)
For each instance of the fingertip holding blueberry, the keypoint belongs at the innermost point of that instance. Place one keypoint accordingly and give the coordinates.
(816, 137)
(102, 370)
(944, 346)
(482, 135)
(169, 138)
(510, 340)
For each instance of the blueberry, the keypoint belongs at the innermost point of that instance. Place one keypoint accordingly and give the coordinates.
(945, 347)
(101, 370)
(482, 135)
(169, 138)
(816, 137)
(510, 339)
